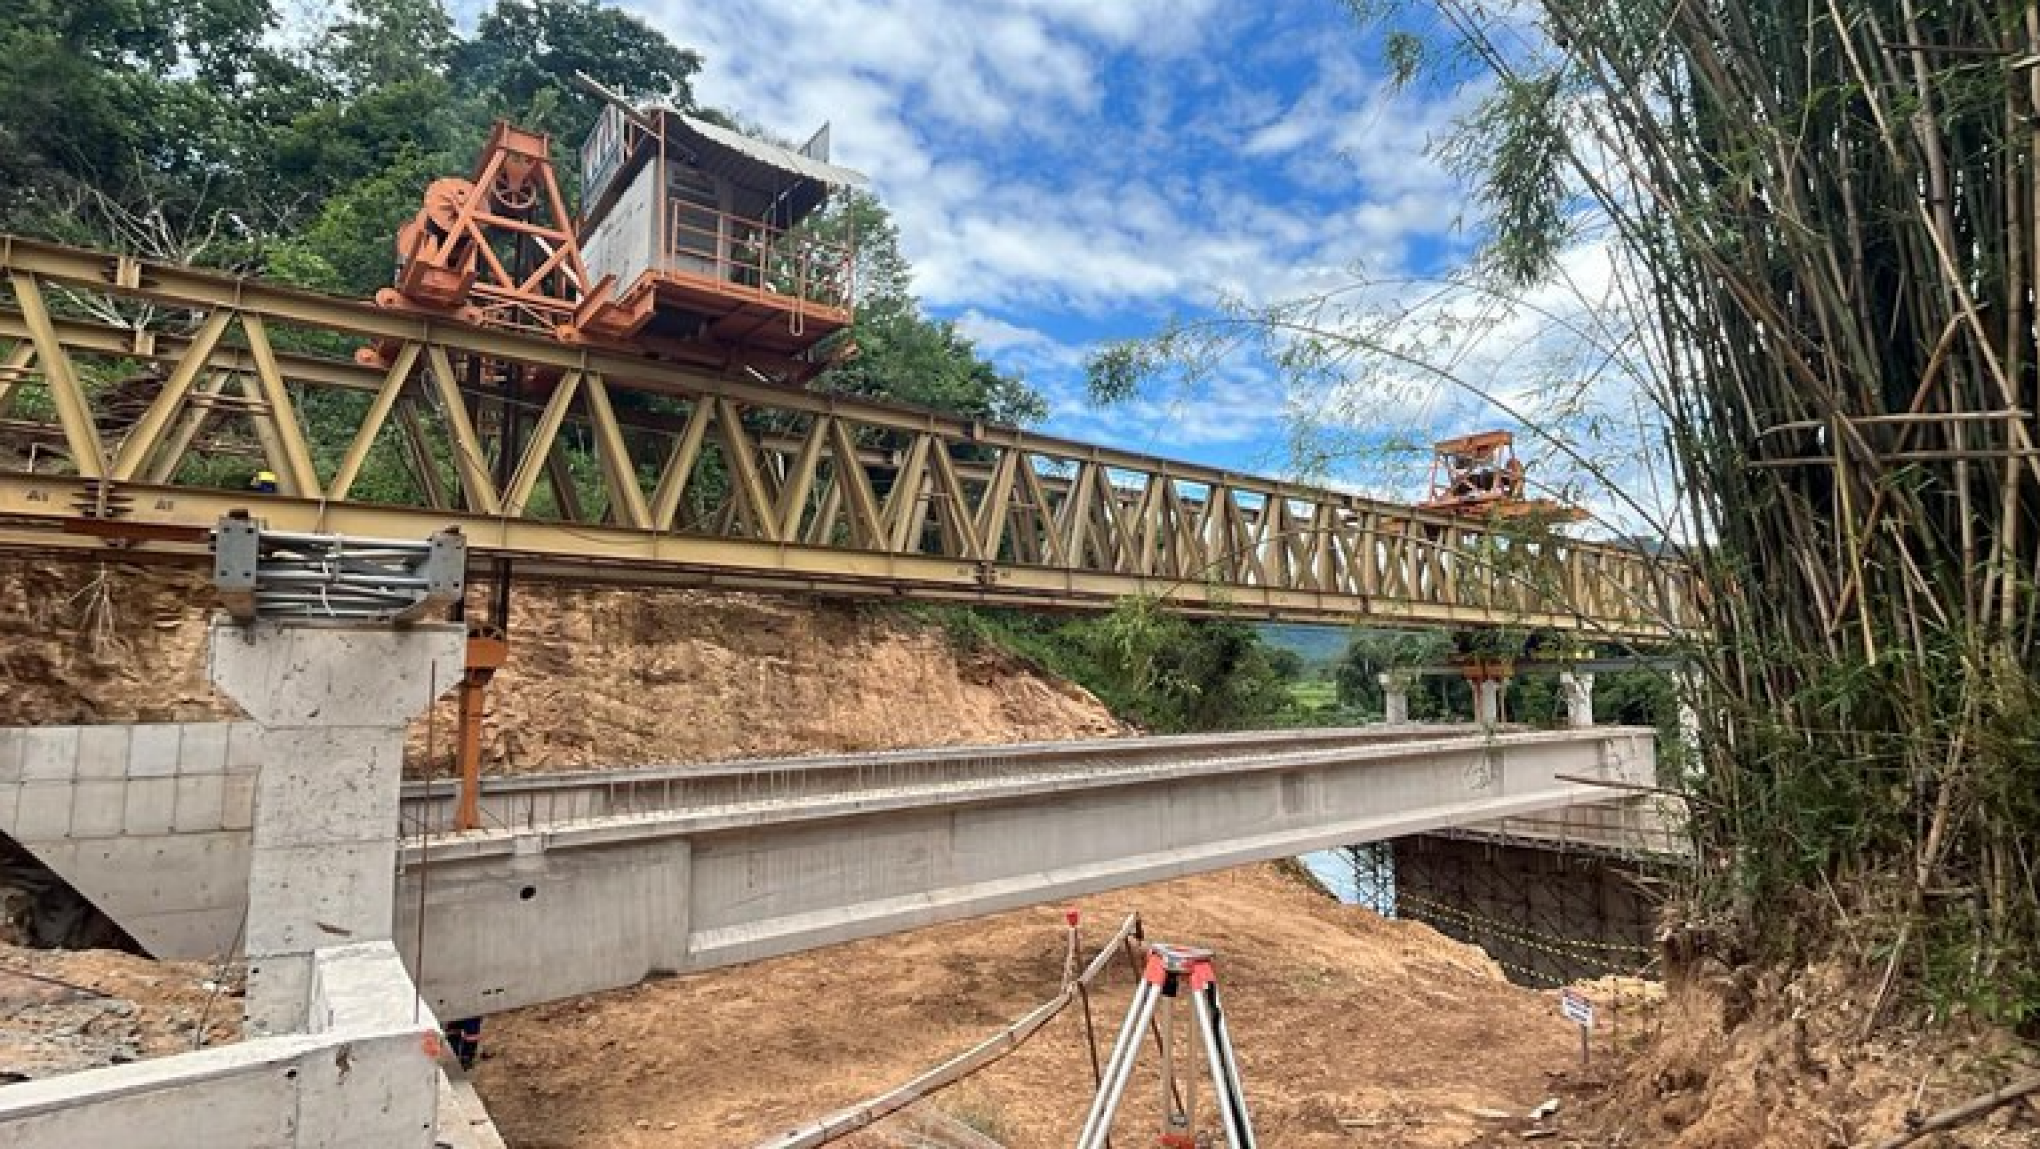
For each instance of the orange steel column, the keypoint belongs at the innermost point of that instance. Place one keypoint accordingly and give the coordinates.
(486, 652)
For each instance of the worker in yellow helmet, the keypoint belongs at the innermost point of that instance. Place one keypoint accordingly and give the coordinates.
(264, 482)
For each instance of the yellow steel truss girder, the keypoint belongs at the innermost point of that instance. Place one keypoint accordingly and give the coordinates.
(40, 510)
(1014, 515)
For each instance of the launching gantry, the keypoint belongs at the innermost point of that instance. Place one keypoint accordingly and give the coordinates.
(696, 245)
(1480, 475)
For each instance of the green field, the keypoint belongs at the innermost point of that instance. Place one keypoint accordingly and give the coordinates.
(1314, 693)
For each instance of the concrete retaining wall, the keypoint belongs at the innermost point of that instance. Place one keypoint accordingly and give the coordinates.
(151, 823)
(365, 1077)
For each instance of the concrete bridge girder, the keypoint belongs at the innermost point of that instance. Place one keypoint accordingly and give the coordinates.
(602, 904)
(611, 877)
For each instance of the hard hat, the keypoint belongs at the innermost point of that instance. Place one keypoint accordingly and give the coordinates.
(265, 476)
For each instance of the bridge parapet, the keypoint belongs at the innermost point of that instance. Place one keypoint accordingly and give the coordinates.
(544, 801)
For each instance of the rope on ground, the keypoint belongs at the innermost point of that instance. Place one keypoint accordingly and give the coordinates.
(1969, 1110)
(847, 1121)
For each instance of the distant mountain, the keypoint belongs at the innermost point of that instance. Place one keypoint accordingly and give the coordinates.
(1316, 645)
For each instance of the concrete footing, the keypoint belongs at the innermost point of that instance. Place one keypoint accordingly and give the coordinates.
(364, 1075)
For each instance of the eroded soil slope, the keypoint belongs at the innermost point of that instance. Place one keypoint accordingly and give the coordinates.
(1778, 1059)
(596, 677)
(1408, 1037)
(613, 677)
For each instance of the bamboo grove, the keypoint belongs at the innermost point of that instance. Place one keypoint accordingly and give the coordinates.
(1836, 210)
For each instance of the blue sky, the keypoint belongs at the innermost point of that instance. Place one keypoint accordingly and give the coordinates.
(1067, 172)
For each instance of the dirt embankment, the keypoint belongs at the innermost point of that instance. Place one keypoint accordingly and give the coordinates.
(1351, 1030)
(596, 677)
(85, 643)
(1780, 1060)
(613, 677)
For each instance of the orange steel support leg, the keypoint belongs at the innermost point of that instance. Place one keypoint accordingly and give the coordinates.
(486, 652)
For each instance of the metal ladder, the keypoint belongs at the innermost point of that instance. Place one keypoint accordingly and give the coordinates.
(1170, 971)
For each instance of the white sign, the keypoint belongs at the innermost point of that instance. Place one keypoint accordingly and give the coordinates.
(601, 154)
(1576, 1008)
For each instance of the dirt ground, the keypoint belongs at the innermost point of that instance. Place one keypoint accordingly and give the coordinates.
(1338, 1015)
(66, 1010)
(1763, 1059)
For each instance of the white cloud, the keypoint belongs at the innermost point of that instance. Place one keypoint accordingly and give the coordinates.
(1067, 163)
(1084, 156)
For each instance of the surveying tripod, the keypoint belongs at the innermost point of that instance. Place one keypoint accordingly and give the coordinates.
(1171, 969)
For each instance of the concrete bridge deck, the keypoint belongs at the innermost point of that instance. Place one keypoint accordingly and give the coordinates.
(598, 880)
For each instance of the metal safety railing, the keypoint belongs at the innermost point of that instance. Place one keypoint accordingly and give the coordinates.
(753, 258)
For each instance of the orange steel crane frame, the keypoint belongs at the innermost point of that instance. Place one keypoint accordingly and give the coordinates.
(1479, 474)
(499, 249)
(460, 255)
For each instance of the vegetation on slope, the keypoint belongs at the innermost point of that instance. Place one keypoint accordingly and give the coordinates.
(1162, 672)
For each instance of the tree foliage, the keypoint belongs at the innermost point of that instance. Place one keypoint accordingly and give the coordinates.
(195, 131)
(1160, 671)
(902, 353)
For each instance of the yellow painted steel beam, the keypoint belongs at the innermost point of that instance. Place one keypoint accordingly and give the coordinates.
(1051, 521)
(191, 287)
(60, 378)
(45, 507)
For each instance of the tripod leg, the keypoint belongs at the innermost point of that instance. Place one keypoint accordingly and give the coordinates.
(1233, 1087)
(1120, 1067)
(1225, 1079)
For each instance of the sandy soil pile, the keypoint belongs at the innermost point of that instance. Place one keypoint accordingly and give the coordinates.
(596, 677)
(67, 1010)
(1351, 1030)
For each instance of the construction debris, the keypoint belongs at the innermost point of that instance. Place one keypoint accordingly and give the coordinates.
(62, 1011)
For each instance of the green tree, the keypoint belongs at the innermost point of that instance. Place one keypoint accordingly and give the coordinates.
(1372, 653)
(133, 121)
(382, 44)
(1287, 664)
(525, 52)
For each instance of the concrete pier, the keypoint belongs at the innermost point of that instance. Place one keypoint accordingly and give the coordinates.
(332, 705)
(1487, 700)
(1578, 689)
(1395, 697)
